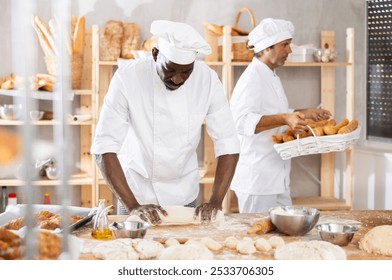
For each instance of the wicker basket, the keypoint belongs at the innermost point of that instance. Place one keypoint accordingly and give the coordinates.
(240, 51)
(317, 144)
(76, 68)
(240, 48)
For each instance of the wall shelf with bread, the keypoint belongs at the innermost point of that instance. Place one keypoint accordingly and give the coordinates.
(43, 93)
(224, 54)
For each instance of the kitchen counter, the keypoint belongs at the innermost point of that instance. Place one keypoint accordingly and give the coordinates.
(237, 225)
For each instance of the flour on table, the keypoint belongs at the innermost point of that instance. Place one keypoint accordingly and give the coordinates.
(310, 250)
(191, 251)
(378, 241)
(180, 215)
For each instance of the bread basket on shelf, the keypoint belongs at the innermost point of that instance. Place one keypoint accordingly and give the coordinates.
(317, 144)
(240, 52)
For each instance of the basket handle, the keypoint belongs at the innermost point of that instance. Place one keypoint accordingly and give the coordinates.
(314, 135)
(250, 13)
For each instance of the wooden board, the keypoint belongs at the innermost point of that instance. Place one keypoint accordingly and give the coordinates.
(237, 225)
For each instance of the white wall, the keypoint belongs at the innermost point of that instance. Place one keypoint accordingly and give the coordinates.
(302, 84)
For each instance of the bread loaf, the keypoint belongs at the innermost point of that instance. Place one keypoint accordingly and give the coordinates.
(330, 130)
(131, 40)
(111, 41)
(349, 128)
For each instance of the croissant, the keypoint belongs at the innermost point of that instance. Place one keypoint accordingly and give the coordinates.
(349, 128)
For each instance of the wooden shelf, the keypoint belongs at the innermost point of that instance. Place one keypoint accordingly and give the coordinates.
(42, 122)
(76, 179)
(322, 203)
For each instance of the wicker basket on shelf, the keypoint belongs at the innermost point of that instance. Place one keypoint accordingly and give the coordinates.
(240, 51)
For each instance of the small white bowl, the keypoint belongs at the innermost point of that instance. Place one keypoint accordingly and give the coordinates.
(36, 115)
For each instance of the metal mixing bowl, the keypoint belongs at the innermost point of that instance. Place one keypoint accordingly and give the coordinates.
(129, 229)
(294, 220)
(338, 234)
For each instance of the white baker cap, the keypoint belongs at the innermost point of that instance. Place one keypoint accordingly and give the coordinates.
(179, 42)
(270, 32)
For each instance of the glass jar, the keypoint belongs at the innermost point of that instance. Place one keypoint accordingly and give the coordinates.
(101, 229)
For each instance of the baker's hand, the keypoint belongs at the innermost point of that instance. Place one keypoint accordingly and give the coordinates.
(149, 213)
(207, 212)
(296, 121)
(317, 114)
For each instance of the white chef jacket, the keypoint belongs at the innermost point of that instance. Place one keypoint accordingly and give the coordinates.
(260, 170)
(155, 132)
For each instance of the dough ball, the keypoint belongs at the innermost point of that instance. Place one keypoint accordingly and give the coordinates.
(171, 241)
(231, 242)
(276, 241)
(378, 241)
(263, 245)
(191, 251)
(118, 249)
(310, 250)
(246, 246)
(148, 249)
(211, 243)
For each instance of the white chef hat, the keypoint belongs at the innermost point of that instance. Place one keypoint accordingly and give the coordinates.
(179, 42)
(270, 32)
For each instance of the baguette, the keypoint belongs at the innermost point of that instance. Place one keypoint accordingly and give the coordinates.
(45, 45)
(261, 226)
(349, 128)
(78, 36)
(46, 33)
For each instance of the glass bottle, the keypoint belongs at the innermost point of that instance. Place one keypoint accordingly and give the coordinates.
(101, 229)
(46, 198)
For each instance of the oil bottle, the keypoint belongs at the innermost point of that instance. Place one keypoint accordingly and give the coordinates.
(101, 229)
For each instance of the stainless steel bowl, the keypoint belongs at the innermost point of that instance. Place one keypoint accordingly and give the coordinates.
(338, 234)
(294, 220)
(129, 229)
(10, 111)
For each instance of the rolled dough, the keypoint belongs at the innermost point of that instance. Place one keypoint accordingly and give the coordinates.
(180, 215)
(378, 241)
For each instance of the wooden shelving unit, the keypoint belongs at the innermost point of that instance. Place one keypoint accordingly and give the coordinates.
(326, 200)
(85, 178)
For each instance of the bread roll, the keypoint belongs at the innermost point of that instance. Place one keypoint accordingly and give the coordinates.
(111, 41)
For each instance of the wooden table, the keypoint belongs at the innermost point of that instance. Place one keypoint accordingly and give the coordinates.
(237, 225)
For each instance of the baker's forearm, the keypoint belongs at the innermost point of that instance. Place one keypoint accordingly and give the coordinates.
(112, 171)
(223, 176)
(267, 122)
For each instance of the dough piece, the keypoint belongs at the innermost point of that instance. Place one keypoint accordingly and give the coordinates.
(118, 249)
(211, 243)
(181, 215)
(246, 246)
(310, 250)
(276, 241)
(192, 251)
(231, 242)
(148, 249)
(171, 242)
(378, 241)
(263, 245)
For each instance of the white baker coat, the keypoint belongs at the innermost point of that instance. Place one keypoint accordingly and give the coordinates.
(155, 132)
(260, 170)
